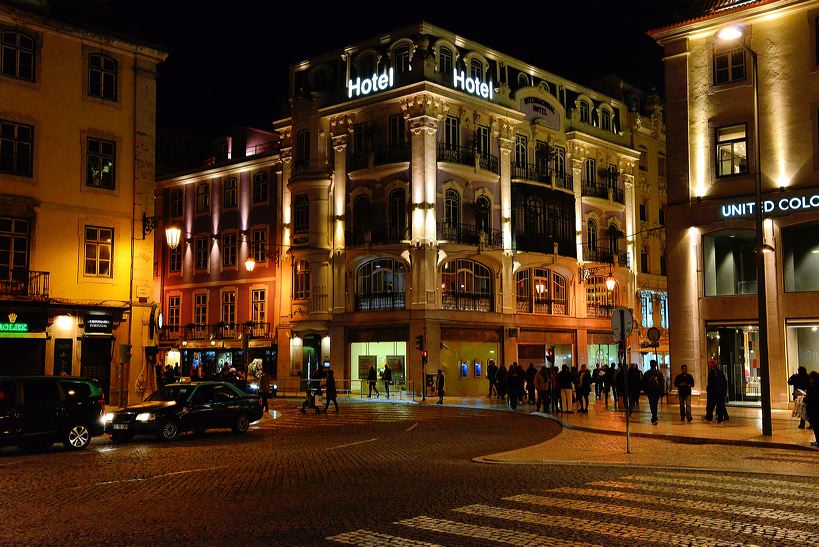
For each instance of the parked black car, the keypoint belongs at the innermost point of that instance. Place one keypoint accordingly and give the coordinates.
(182, 407)
(37, 411)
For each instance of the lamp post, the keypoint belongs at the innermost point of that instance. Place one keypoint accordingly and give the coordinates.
(730, 34)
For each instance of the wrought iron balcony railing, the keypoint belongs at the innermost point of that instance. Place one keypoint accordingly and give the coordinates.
(379, 301)
(470, 234)
(25, 284)
(379, 234)
(601, 190)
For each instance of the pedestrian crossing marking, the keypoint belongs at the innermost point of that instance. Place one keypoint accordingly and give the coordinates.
(747, 498)
(790, 492)
(365, 537)
(474, 531)
(620, 531)
(756, 512)
(743, 480)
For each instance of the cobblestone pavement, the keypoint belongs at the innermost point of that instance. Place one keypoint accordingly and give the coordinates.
(382, 474)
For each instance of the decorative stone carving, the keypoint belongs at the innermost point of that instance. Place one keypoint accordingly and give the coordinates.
(423, 124)
(341, 125)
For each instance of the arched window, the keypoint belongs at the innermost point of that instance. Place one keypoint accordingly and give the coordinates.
(301, 280)
(203, 198)
(452, 209)
(540, 290)
(398, 216)
(102, 77)
(614, 238)
(361, 218)
(366, 65)
(401, 59)
(444, 60)
(599, 300)
(476, 69)
(380, 285)
(521, 151)
(466, 285)
(605, 120)
(230, 193)
(585, 112)
(483, 215)
(18, 55)
(591, 235)
(523, 80)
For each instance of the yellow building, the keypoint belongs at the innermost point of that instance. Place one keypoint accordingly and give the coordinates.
(77, 124)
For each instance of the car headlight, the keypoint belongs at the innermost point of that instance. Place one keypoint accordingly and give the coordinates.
(275, 387)
(145, 417)
(107, 418)
(254, 386)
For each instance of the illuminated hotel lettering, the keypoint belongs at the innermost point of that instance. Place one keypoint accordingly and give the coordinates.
(472, 85)
(370, 85)
(783, 205)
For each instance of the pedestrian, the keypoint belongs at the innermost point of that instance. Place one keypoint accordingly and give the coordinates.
(584, 383)
(513, 386)
(554, 386)
(607, 376)
(330, 391)
(597, 378)
(439, 384)
(491, 375)
(564, 382)
(177, 372)
(531, 372)
(542, 387)
(575, 383)
(812, 405)
(372, 378)
(654, 386)
(635, 382)
(500, 381)
(715, 391)
(169, 379)
(386, 376)
(158, 371)
(264, 389)
(684, 382)
(800, 382)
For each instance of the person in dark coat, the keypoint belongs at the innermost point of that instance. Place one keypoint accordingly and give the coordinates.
(654, 386)
(812, 405)
(169, 377)
(500, 381)
(439, 384)
(386, 376)
(554, 387)
(608, 382)
(584, 383)
(634, 385)
(800, 382)
(491, 375)
(542, 387)
(330, 391)
(513, 380)
(564, 382)
(715, 391)
(531, 372)
(684, 382)
(597, 378)
(372, 378)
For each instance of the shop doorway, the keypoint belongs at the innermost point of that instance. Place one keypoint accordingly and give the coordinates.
(95, 362)
(310, 359)
(735, 350)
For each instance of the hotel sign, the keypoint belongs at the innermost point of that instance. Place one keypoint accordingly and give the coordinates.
(473, 86)
(370, 85)
(778, 206)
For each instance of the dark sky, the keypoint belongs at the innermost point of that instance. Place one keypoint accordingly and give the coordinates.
(228, 62)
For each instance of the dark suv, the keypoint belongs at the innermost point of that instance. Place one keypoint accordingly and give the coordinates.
(37, 411)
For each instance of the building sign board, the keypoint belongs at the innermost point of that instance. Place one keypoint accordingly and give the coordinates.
(369, 85)
(101, 324)
(771, 206)
(542, 110)
(473, 86)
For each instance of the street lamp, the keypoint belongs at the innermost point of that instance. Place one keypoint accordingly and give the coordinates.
(730, 34)
(250, 263)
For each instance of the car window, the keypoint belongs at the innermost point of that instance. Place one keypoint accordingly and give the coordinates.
(40, 391)
(8, 393)
(224, 393)
(203, 395)
(76, 391)
(171, 393)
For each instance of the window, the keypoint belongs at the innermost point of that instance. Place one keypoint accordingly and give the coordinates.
(613, 175)
(590, 171)
(483, 215)
(200, 309)
(303, 148)
(599, 300)
(732, 151)
(466, 285)
(664, 310)
(259, 241)
(174, 310)
(643, 159)
(16, 149)
(482, 141)
(647, 309)
(398, 215)
(661, 216)
(801, 257)
(523, 80)
(476, 69)
(533, 216)
(397, 136)
(401, 59)
(540, 290)
(229, 307)
(101, 164)
(228, 250)
(203, 198)
(445, 60)
(222, 151)
(560, 160)
(644, 260)
(99, 247)
(18, 56)
(521, 150)
(605, 120)
(230, 192)
(663, 267)
(14, 241)
(591, 235)
(643, 213)
(661, 165)
(102, 77)
(452, 208)
(175, 260)
(361, 141)
(366, 66)
(301, 280)
(729, 264)
(452, 132)
(301, 214)
(258, 305)
(175, 208)
(380, 285)
(202, 253)
(729, 66)
(261, 188)
(585, 112)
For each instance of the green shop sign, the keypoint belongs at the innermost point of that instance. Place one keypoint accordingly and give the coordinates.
(13, 327)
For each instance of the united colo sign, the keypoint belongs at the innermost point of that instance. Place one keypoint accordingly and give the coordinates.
(780, 206)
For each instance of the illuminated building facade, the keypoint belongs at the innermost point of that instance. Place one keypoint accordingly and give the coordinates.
(437, 190)
(77, 120)
(712, 181)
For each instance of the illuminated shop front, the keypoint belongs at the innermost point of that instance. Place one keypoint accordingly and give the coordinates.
(377, 348)
(602, 349)
(465, 354)
(534, 346)
(734, 349)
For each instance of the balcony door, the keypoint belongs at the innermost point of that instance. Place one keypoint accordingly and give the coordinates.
(14, 242)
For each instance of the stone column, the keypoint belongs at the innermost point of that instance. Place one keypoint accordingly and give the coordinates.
(505, 132)
(340, 128)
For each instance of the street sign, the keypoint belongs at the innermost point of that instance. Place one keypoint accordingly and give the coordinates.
(653, 334)
(622, 323)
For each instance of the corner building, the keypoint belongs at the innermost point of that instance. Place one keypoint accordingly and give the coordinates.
(710, 97)
(433, 187)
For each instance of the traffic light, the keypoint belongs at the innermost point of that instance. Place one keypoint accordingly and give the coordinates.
(424, 357)
(419, 342)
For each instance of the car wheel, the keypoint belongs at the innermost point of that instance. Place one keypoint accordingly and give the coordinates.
(242, 424)
(121, 437)
(169, 430)
(77, 437)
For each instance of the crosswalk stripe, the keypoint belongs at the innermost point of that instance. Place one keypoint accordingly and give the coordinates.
(674, 503)
(742, 480)
(620, 531)
(769, 532)
(473, 531)
(747, 498)
(366, 537)
(713, 485)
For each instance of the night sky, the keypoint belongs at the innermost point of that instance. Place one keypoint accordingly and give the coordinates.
(228, 62)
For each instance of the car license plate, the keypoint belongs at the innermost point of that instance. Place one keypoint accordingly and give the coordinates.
(120, 426)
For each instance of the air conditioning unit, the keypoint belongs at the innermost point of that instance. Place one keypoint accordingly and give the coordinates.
(513, 332)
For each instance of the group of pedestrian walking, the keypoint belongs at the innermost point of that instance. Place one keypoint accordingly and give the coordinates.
(806, 397)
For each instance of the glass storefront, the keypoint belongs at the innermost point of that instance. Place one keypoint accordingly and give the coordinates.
(464, 365)
(377, 354)
(803, 347)
(734, 348)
